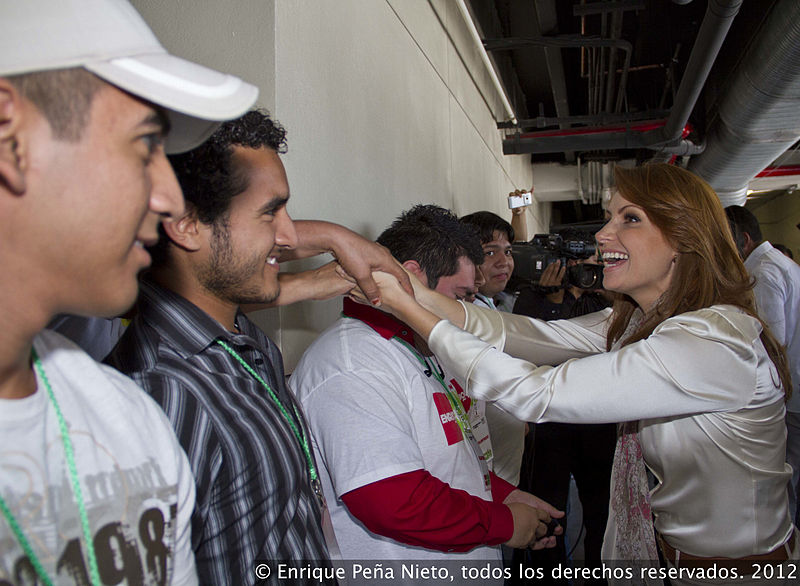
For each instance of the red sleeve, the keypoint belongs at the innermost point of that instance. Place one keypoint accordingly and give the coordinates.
(500, 488)
(418, 509)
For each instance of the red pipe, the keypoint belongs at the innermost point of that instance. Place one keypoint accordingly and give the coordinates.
(638, 127)
(781, 171)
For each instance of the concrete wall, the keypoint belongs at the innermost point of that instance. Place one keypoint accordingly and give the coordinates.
(778, 220)
(386, 104)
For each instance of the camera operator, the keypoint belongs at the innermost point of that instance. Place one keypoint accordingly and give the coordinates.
(555, 297)
(554, 451)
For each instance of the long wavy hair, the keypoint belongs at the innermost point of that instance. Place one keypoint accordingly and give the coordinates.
(708, 270)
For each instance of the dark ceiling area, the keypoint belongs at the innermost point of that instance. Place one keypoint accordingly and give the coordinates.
(650, 79)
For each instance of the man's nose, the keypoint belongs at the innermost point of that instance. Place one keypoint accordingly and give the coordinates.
(166, 197)
(285, 233)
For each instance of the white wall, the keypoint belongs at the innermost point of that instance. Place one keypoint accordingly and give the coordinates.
(237, 36)
(386, 104)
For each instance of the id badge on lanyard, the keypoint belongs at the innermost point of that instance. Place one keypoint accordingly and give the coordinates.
(474, 426)
(476, 434)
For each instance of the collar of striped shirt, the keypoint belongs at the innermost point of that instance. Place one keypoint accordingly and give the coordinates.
(188, 329)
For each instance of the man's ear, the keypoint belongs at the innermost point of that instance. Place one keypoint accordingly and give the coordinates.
(186, 232)
(747, 244)
(413, 267)
(13, 148)
(480, 280)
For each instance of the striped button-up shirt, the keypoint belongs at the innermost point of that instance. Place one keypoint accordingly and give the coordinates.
(254, 498)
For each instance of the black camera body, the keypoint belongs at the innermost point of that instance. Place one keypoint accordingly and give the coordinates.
(532, 258)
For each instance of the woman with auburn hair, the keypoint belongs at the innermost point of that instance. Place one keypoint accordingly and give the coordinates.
(682, 358)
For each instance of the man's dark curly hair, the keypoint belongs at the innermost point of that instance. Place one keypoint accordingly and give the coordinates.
(208, 176)
(487, 224)
(432, 236)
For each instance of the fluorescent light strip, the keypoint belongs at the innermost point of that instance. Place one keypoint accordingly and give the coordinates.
(485, 56)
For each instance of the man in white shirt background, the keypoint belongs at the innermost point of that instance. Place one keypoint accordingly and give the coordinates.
(777, 292)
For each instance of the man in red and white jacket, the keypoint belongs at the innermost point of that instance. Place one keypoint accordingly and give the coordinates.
(404, 454)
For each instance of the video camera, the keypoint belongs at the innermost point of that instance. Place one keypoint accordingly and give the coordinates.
(532, 258)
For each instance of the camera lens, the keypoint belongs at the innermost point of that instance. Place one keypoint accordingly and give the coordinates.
(585, 276)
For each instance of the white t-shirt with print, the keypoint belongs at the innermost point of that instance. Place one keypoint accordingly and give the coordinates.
(374, 414)
(135, 479)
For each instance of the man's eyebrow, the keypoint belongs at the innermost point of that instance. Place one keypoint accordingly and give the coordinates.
(273, 204)
(157, 117)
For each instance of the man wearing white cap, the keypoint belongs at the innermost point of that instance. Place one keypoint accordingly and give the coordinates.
(94, 487)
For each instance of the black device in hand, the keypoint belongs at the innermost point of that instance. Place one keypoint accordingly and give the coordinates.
(551, 527)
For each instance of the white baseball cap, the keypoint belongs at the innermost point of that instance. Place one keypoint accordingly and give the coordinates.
(110, 39)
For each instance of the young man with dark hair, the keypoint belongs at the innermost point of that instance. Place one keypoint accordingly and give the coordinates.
(404, 452)
(219, 379)
(94, 486)
(777, 293)
(496, 237)
(426, 237)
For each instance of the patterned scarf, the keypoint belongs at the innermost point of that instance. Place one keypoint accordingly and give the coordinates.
(630, 537)
(630, 499)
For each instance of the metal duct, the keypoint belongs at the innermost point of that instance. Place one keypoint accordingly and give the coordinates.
(758, 117)
(716, 22)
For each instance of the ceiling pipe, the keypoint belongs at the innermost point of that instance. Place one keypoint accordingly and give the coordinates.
(716, 22)
(476, 38)
(616, 31)
(562, 41)
(547, 20)
(685, 148)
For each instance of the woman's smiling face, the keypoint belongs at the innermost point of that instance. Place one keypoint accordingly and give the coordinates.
(639, 261)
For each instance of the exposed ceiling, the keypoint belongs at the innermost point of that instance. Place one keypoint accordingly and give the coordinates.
(710, 84)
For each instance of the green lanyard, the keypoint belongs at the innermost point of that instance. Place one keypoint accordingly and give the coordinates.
(69, 453)
(462, 419)
(458, 407)
(298, 433)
